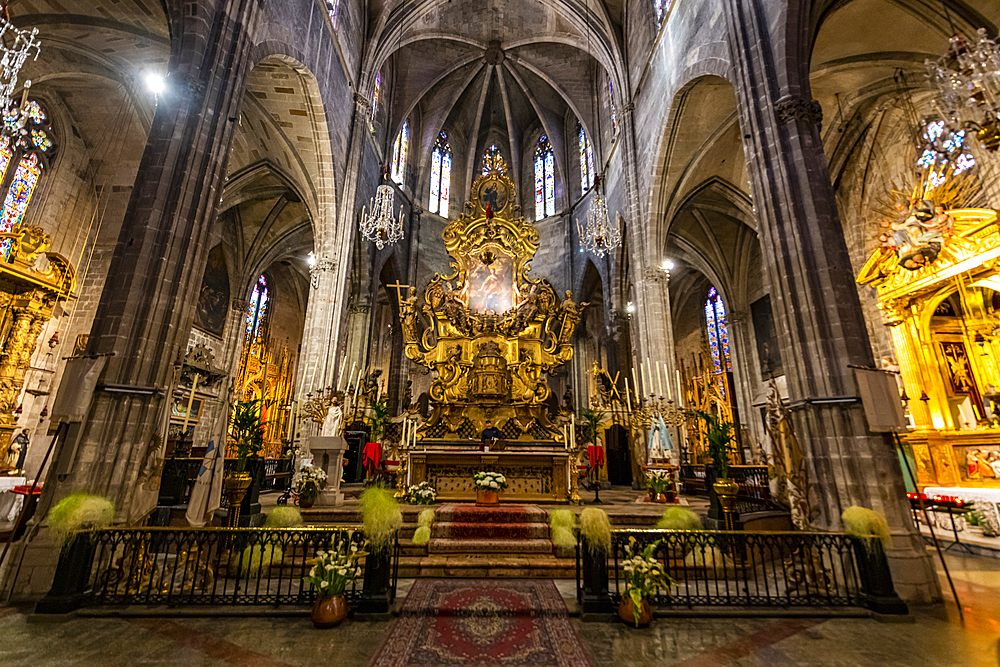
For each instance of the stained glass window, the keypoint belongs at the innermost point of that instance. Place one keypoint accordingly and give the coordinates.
(29, 150)
(440, 175)
(662, 7)
(545, 180)
(718, 337)
(586, 160)
(333, 8)
(399, 150)
(493, 161)
(257, 311)
(373, 109)
(614, 109)
(943, 151)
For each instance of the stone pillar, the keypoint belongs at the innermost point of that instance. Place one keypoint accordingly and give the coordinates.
(816, 305)
(144, 317)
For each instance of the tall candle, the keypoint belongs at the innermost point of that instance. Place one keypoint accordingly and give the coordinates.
(666, 376)
(635, 385)
(659, 380)
(628, 396)
(680, 391)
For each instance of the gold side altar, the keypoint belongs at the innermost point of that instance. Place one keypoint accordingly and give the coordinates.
(32, 282)
(938, 286)
(490, 333)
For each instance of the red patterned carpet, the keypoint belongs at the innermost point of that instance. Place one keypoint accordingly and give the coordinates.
(476, 622)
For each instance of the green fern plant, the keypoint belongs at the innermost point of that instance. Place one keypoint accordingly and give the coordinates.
(719, 435)
(248, 431)
(79, 512)
(592, 423)
(379, 416)
(381, 516)
(679, 518)
(866, 524)
(596, 529)
(562, 526)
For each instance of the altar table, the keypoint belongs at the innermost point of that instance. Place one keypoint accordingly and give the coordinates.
(532, 476)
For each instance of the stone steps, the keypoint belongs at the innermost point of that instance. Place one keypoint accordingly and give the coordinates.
(499, 531)
(487, 566)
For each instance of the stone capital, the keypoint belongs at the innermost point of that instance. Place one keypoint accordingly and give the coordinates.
(240, 305)
(319, 268)
(791, 108)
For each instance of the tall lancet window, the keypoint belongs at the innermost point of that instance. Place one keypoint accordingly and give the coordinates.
(440, 176)
(614, 109)
(399, 150)
(333, 9)
(31, 152)
(373, 109)
(718, 337)
(257, 312)
(493, 161)
(662, 7)
(545, 179)
(586, 160)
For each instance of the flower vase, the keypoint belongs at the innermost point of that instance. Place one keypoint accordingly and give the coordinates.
(626, 612)
(661, 498)
(305, 502)
(329, 611)
(484, 497)
(236, 485)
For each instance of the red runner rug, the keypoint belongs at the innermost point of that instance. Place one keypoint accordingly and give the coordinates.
(483, 623)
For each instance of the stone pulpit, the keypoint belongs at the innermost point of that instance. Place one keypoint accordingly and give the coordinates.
(328, 454)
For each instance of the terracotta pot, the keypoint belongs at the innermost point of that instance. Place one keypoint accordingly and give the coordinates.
(487, 497)
(305, 502)
(627, 613)
(329, 612)
(661, 498)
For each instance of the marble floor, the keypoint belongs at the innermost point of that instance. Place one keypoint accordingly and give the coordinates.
(931, 637)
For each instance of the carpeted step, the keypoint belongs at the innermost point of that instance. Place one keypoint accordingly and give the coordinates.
(447, 545)
(485, 531)
(498, 514)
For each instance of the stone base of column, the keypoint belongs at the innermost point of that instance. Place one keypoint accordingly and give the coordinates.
(913, 573)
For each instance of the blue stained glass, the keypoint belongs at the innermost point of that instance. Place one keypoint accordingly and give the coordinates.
(586, 161)
(720, 322)
(614, 110)
(713, 339)
(440, 176)
(375, 97)
(718, 337)
(662, 7)
(550, 184)
(257, 311)
(545, 180)
(399, 151)
(333, 8)
(41, 140)
(539, 188)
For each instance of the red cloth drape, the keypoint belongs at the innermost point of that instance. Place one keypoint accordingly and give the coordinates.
(596, 455)
(372, 455)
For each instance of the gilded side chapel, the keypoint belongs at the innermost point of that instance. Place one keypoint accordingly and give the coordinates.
(499, 331)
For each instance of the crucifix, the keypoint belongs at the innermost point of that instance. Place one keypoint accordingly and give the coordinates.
(398, 286)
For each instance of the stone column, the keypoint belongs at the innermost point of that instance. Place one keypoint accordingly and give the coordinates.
(145, 313)
(816, 305)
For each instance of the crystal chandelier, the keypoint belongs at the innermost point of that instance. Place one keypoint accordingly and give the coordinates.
(378, 225)
(23, 44)
(967, 80)
(599, 236)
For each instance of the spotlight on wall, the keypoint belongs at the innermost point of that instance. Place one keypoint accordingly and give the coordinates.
(667, 265)
(630, 308)
(311, 259)
(155, 83)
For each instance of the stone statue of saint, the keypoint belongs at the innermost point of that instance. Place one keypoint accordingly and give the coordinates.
(334, 422)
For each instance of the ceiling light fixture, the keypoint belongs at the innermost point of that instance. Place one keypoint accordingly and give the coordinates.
(967, 81)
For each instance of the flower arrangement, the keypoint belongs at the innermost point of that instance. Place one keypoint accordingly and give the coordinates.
(79, 512)
(333, 570)
(309, 481)
(490, 481)
(643, 574)
(422, 494)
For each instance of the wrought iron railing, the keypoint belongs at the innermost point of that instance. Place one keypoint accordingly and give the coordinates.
(754, 493)
(734, 568)
(192, 567)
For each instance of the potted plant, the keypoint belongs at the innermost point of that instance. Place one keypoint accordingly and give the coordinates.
(659, 486)
(331, 572)
(308, 483)
(488, 487)
(643, 575)
(422, 494)
(247, 430)
(719, 435)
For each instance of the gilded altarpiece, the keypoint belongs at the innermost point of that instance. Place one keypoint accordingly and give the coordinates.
(944, 317)
(490, 333)
(32, 282)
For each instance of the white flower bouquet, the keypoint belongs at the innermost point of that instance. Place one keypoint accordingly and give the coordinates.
(422, 494)
(309, 481)
(490, 481)
(643, 574)
(333, 570)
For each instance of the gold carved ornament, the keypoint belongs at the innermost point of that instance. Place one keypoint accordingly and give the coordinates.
(490, 331)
